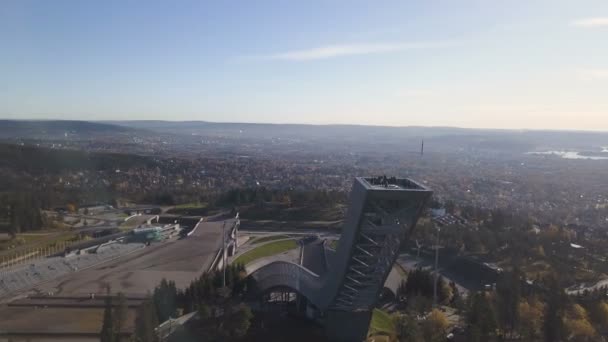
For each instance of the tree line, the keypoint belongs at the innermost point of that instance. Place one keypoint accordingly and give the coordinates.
(220, 314)
(288, 197)
(21, 212)
(511, 311)
(113, 328)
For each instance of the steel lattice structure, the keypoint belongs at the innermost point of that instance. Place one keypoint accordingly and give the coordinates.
(382, 213)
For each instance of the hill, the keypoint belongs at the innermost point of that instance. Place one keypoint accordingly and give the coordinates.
(56, 129)
(408, 137)
(37, 160)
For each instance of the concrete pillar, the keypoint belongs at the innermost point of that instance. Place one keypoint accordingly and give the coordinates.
(236, 236)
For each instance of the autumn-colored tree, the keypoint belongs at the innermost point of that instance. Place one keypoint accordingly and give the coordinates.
(531, 313)
(446, 292)
(577, 325)
(435, 326)
(540, 251)
(599, 316)
(72, 207)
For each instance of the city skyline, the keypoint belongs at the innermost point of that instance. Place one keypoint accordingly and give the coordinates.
(539, 65)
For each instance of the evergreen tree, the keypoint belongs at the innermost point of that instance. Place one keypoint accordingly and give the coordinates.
(481, 319)
(457, 301)
(419, 283)
(508, 290)
(408, 329)
(146, 320)
(24, 213)
(165, 300)
(554, 311)
(444, 291)
(107, 328)
(120, 316)
(237, 324)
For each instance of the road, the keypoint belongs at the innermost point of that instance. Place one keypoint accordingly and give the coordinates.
(313, 257)
(305, 232)
(281, 226)
(575, 290)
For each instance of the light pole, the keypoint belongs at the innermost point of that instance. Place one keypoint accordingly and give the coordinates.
(436, 268)
(224, 254)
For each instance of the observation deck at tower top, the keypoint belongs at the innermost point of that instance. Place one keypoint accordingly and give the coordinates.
(390, 183)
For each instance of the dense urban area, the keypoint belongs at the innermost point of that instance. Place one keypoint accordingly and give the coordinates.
(518, 221)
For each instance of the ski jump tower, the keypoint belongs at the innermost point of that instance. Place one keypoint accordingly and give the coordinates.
(381, 216)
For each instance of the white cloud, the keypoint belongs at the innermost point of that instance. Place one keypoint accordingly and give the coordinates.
(591, 22)
(331, 51)
(593, 74)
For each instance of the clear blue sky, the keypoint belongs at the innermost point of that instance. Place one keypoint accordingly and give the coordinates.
(505, 64)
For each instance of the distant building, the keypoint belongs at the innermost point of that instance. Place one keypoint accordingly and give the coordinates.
(438, 212)
(153, 233)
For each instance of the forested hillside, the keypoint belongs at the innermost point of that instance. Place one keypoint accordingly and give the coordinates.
(35, 160)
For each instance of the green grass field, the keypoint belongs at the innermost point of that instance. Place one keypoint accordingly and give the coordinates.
(382, 323)
(132, 223)
(400, 269)
(193, 208)
(268, 249)
(333, 244)
(258, 240)
(193, 205)
(39, 244)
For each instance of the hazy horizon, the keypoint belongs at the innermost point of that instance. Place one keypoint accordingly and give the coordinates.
(315, 124)
(540, 65)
